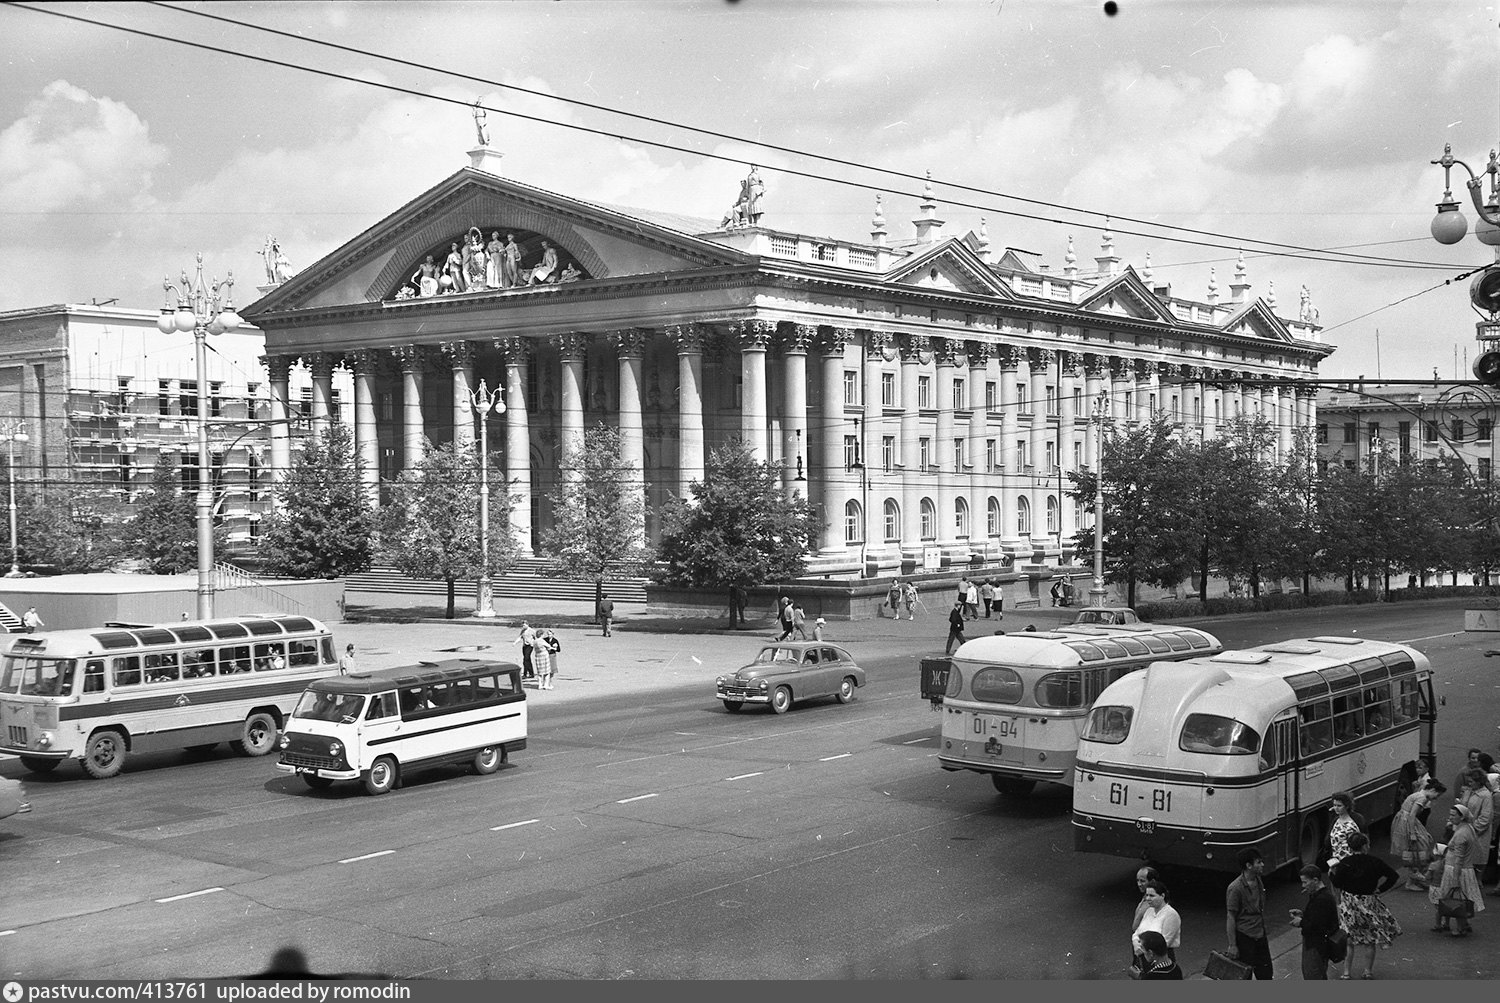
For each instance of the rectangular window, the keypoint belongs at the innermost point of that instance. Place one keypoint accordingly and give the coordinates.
(1322, 433)
(1077, 456)
(188, 472)
(215, 399)
(127, 473)
(1403, 437)
(924, 453)
(888, 452)
(1051, 454)
(924, 391)
(959, 460)
(851, 451)
(388, 464)
(163, 396)
(960, 396)
(1483, 428)
(887, 389)
(252, 478)
(1374, 430)
(851, 388)
(122, 394)
(1429, 431)
(991, 457)
(216, 470)
(1022, 458)
(1176, 409)
(187, 397)
(386, 406)
(1484, 469)
(991, 398)
(1051, 400)
(1351, 432)
(1457, 425)
(1021, 404)
(304, 405)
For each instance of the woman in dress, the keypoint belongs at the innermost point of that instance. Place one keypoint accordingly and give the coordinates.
(1157, 916)
(541, 660)
(1462, 854)
(1361, 878)
(1344, 826)
(1411, 841)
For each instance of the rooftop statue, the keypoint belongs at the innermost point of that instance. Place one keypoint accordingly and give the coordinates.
(479, 117)
(748, 207)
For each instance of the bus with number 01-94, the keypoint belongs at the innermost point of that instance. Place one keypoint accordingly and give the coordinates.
(1014, 703)
(1190, 762)
(100, 695)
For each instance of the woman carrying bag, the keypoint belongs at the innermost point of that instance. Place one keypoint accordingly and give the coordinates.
(1460, 883)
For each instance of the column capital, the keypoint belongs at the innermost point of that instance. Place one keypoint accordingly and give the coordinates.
(1095, 366)
(458, 353)
(1039, 358)
(1189, 372)
(877, 343)
(1120, 367)
(1009, 357)
(1308, 392)
(278, 367)
(1068, 362)
(409, 357)
(689, 338)
(364, 361)
(1145, 369)
(752, 335)
(831, 340)
(321, 364)
(629, 342)
(945, 351)
(571, 347)
(979, 353)
(912, 346)
(795, 339)
(515, 350)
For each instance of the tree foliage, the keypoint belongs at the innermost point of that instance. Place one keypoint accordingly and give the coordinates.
(737, 529)
(164, 533)
(431, 527)
(325, 524)
(599, 507)
(48, 535)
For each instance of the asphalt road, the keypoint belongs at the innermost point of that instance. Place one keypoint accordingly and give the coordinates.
(657, 838)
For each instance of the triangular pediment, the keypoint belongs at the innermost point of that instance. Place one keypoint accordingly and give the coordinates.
(1256, 320)
(949, 265)
(587, 242)
(1126, 295)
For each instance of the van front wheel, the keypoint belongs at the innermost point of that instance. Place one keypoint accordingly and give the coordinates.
(382, 776)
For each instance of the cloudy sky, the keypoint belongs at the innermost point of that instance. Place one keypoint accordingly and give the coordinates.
(1309, 125)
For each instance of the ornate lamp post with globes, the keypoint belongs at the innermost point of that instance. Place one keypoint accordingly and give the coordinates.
(13, 430)
(203, 308)
(485, 401)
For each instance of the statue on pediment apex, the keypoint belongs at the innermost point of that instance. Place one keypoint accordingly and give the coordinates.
(748, 207)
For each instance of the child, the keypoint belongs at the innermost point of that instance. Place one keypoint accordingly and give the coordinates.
(818, 629)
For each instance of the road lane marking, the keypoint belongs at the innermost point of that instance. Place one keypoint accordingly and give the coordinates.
(6, 933)
(917, 740)
(512, 825)
(367, 856)
(747, 776)
(829, 759)
(189, 895)
(639, 797)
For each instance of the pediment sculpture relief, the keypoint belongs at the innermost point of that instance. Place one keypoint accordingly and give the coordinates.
(473, 265)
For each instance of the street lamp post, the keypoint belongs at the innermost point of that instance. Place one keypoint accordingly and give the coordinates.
(13, 430)
(203, 308)
(1449, 227)
(1098, 592)
(484, 401)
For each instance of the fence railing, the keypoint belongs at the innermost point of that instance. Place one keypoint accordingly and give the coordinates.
(227, 576)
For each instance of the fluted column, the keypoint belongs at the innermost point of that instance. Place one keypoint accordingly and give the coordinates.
(874, 344)
(1120, 372)
(1309, 397)
(630, 349)
(366, 439)
(1095, 370)
(689, 341)
(754, 338)
(410, 359)
(1039, 361)
(1145, 388)
(976, 479)
(1010, 436)
(835, 481)
(517, 354)
(1066, 417)
(945, 357)
(1214, 407)
(571, 349)
(321, 364)
(278, 373)
(911, 347)
(1247, 395)
(460, 356)
(795, 339)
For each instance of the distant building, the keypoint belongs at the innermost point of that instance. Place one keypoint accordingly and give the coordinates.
(103, 393)
(928, 395)
(1405, 422)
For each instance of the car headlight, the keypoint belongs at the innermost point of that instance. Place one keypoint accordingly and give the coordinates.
(334, 748)
(719, 681)
(44, 740)
(285, 741)
(764, 685)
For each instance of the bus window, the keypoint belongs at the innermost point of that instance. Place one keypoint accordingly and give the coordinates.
(127, 671)
(328, 656)
(301, 653)
(1176, 642)
(235, 659)
(1222, 736)
(1111, 649)
(1316, 728)
(1156, 644)
(93, 677)
(161, 668)
(1060, 689)
(1110, 725)
(270, 655)
(44, 677)
(382, 705)
(1134, 646)
(496, 686)
(1377, 708)
(1086, 651)
(1348, 717)
(1405, 707)
(198, 663)
(997, 685)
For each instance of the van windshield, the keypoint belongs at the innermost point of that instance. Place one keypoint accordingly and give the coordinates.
(318, 706)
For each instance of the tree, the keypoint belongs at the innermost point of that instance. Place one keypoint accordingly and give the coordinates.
(164, 531)
(431, 527)
(48, 535)
(598, 511)
(325, 525)
(737, 530)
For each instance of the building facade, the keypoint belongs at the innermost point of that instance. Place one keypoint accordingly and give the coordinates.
(100, 394)
(927, 394)
(1363, 422)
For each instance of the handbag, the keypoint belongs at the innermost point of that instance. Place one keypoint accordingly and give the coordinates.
(1455, 905)
(1338, 945)
(1224, 968)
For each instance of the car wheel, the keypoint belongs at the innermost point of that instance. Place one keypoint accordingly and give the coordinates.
(781, 700)
(1012, 787)
(382, 775)
(104, 755)
(846, 689)
(316, 782)
(733, 706)
(258, 737)
(38, 765)
(487, 760)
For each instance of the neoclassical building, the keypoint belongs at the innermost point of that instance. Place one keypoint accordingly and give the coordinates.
(927, 393)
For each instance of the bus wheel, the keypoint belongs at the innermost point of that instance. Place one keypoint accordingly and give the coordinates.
(846, 689)
(1310, 843)
(487, 760)
(781, 700)
(382, 775)
(104, 755)
(316, 782)
(1012, 787)
(259, 735)
(733, 706)
(38, 765)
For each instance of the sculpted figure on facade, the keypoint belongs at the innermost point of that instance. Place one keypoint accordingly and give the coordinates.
(479, 129)
(493, 252)
(747, 209)
(474, 260)
(544, 271)
(510, 267)
(278, 268)
(426, 278)
(452, 279)
(570, 274)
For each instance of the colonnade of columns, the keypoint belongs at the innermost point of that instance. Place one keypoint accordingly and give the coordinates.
(964, 471)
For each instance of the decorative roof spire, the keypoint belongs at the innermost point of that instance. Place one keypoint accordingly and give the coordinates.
(877, 225)
(1146, 274)
(984, 239)
(1213, 286)
(1070, 259)
(1240, 287)
(1108, 261)
(929, 226)
(1271, 294)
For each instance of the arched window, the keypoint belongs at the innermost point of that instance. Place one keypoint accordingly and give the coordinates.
(1052, 513)
(854, 522)
(929, 520)
(1023, 516)
(961, 518)
(992, 517)
(892, 521)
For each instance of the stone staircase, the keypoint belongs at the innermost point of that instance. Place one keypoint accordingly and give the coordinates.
(10, 621)
(525, 580)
